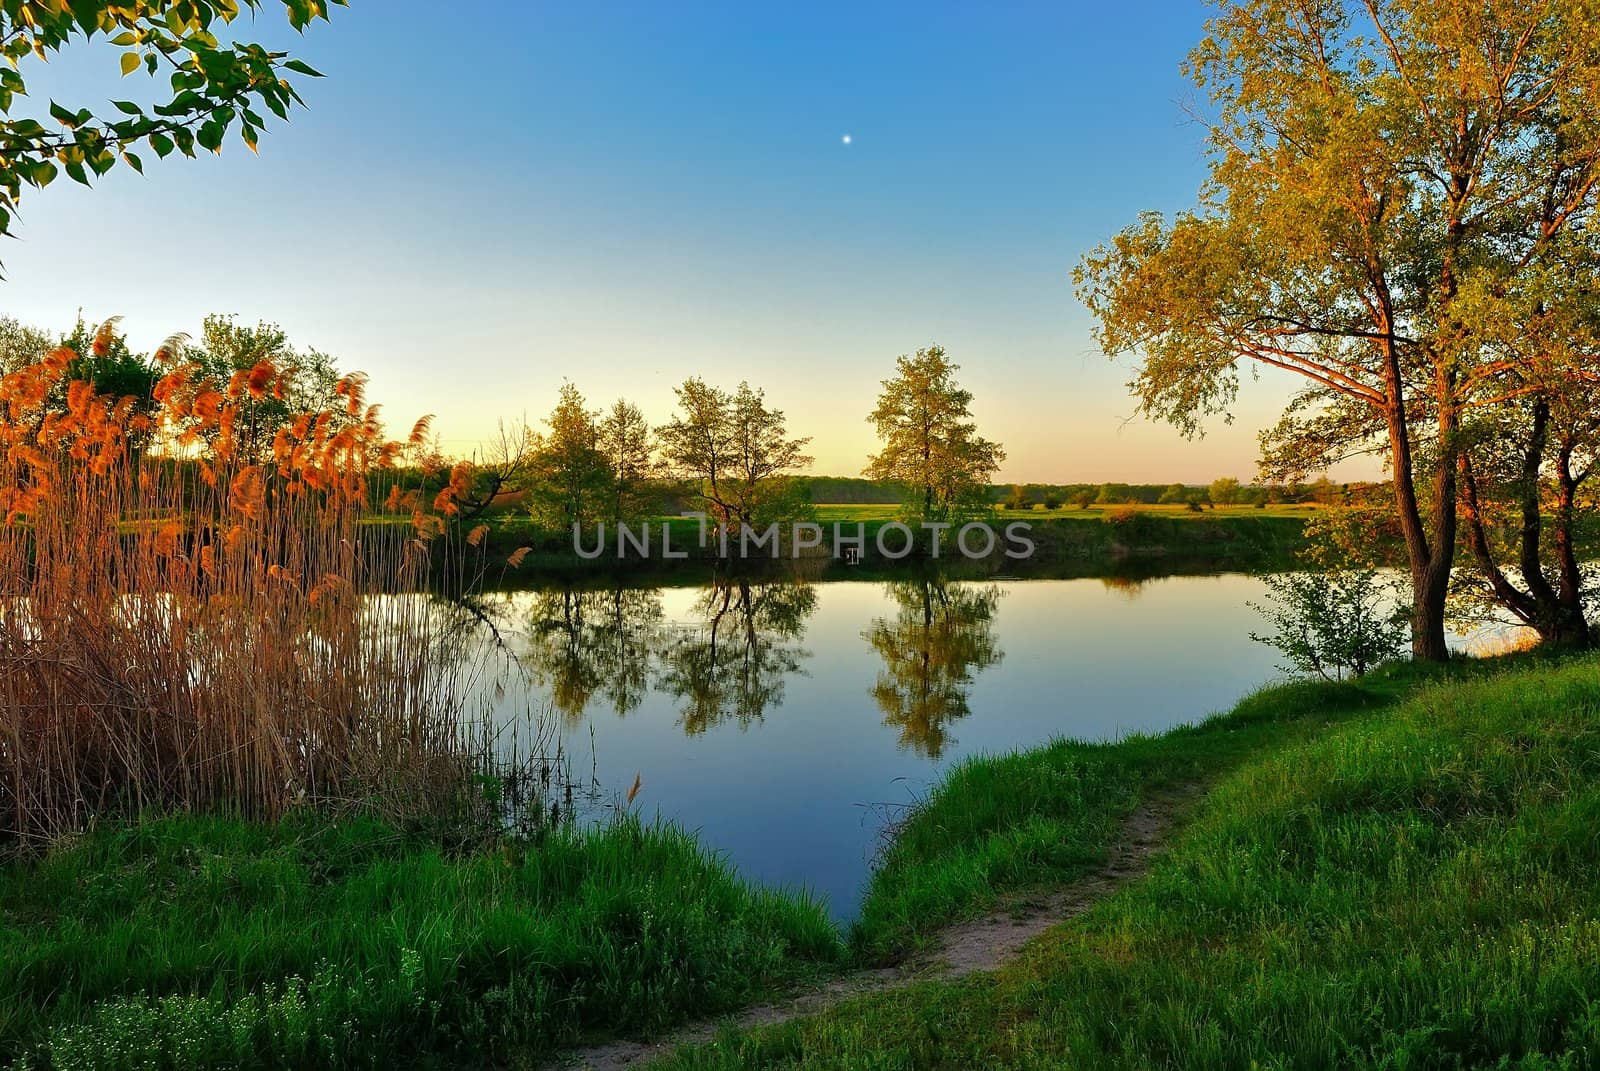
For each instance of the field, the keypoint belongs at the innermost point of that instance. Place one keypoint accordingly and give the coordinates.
(1097, 511)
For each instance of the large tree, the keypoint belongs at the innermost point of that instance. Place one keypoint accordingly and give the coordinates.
(931, 445)
(738, 451)
(1369, 161)
(216, 85)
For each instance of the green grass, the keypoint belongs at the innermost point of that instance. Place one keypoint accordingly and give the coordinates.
(999, 825)
(1381, 875)
(197, 942)
(827, 512)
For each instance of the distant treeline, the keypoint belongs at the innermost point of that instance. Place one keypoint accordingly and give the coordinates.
(675, 495)
(850, 490)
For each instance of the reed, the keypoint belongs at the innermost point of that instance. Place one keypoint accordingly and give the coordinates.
(193, 613)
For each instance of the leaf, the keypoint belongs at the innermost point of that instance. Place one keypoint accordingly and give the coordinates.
(130, 63)
(43, 173)
(127, 107)
(299, 67)
(161, 144)
(210, 135)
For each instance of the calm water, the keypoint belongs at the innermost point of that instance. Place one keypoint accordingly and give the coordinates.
(786, 722)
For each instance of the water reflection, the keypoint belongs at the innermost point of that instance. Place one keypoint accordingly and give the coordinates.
(941, 635)
(584, 642)
(733, 663)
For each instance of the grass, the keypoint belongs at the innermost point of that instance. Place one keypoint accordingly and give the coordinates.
(1068, 542)
(1398, 873)
(828, 512)
(200, 942)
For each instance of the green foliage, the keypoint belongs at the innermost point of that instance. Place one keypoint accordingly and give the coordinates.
(215, 85)
(738, 451)
(1225, 491)
(570, 481)
(1333, 623)
(629, 451)
(21, 345)
(930, 442)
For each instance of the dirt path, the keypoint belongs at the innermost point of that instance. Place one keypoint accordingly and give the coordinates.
(967, 948)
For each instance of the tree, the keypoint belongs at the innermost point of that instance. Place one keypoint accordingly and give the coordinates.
(228, 353)
(1083, 498)
(1019, 498)
(568, 476)
(629, 454)
(216, 85)
(21, 345)
(1369, 163)
(502, 465)
(1524, 462)
(930, 444)
(1224, 491)
(738, 451)
(1174, 495)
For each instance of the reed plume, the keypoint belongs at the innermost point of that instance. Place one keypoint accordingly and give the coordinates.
(183, 624)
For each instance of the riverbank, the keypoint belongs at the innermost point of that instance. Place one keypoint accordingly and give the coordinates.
(193, 942)
(1393, 873)
(1424, 835)
(1133, 541)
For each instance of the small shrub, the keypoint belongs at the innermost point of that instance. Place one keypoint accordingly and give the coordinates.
(1333, 623)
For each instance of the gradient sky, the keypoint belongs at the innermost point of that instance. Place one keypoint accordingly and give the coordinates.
(625, 195)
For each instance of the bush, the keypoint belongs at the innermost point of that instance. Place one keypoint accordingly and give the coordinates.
(1333, 623)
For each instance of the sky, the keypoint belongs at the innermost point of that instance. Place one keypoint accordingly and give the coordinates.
(475, 209)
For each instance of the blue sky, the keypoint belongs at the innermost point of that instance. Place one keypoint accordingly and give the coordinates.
(625, 195)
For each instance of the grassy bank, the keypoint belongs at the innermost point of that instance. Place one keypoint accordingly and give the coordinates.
(202, 942)
(1398, 873)
(1067, 543)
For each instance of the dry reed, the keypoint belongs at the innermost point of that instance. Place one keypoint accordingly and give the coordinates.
(185, 625)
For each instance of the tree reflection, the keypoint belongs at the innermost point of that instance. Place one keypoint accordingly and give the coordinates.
(586, 642)
(733, 665)
(941, 636)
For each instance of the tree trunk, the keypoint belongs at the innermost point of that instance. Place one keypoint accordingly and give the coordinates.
(1572, 626)
(1429, 564)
